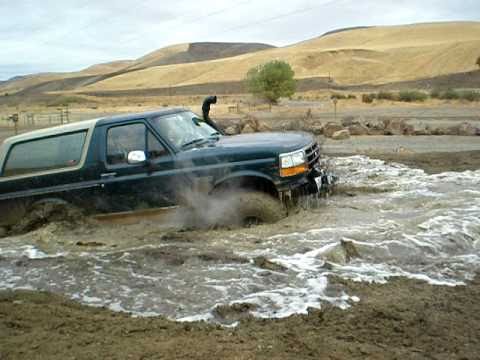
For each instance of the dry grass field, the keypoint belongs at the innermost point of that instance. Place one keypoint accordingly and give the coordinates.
(375, 55)
(372, 55)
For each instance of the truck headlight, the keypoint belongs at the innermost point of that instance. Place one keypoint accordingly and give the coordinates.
(293, 163)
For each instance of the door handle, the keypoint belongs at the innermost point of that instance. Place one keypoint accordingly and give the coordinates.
(108, 175)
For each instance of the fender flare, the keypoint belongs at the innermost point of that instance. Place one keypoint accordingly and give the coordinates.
(240, 175)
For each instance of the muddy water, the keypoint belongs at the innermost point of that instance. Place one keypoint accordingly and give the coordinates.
(386, 221)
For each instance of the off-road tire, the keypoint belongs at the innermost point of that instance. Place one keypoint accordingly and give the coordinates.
(253, 207)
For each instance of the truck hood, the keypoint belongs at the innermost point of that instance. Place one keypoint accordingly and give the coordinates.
(245, 147)
(274, 142)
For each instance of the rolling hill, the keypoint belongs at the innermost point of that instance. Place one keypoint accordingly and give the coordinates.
(363, 55)
(367, 55)
(195, 52)
(176, 54)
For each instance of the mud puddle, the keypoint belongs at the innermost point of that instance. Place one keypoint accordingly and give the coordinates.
(387, 220)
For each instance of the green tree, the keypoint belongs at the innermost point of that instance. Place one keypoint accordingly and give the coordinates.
(271, 80)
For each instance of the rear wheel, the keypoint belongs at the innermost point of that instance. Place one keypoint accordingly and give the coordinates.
(248, 208)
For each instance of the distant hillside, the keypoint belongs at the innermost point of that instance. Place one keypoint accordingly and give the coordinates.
(176, 54)
(108, 67)
(352, 56)
(375, 55)
(336, 31)
(196, 52)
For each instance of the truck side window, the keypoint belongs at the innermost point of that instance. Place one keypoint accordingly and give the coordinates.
(155, 148)
(123, 139)
(56, 152)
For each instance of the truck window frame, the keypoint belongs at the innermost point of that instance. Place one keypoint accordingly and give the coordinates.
(83, 156)
(148, 129)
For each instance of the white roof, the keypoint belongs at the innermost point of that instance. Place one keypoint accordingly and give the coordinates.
(55, 130)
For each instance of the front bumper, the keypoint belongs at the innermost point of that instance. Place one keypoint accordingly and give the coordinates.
(318, 181)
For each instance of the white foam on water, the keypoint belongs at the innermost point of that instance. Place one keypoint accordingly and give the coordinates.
(425, 227)
(27, 251)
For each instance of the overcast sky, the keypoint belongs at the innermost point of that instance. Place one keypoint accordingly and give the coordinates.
(67, 35)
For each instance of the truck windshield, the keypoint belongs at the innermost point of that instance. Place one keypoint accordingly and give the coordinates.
(183, 129)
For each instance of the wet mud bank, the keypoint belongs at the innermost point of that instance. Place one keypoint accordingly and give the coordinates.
(400, 319)
(434, 163)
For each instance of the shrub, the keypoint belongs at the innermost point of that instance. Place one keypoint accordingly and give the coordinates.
(351, 96)
(478, 61)
(368, 98)
(338, 96)
(412, 96)
(384, 95)
(470, 95)
(450, 94)
(271, 80)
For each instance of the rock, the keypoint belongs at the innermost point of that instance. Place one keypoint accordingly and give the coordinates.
(247, 129)
(232, 130)
(375, 128)
(351, 251)
(451, 130)
(264, 263)
(420, 132)
(3, 232)
(408, 130)
(397, 127)
(393, 127)
(89, 243)
(467, 129)
(341, 253)
(464, 129)
(263, 127)
(233, 312)
(330, 128)
(420, 129)
(438, 131)
(348, 121)
(358, 130)
(341, 135)
(316, 129)
(374, 131)
(335, 255)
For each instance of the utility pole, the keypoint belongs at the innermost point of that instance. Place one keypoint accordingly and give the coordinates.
(67, 114)
(61, 115)
(335, 101)
(14, 119)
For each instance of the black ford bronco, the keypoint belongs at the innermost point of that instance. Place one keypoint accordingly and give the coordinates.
(156, 159)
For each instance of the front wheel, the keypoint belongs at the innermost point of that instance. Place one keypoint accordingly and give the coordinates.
(247, 208)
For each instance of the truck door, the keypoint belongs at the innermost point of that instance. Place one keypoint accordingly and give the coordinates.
(136, 185)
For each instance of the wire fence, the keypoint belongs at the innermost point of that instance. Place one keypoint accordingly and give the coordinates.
(16, 123)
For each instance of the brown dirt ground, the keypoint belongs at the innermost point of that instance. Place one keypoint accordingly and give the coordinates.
(402, 319)
(436, 162)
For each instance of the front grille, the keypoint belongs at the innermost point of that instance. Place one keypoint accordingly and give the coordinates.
(313, 154)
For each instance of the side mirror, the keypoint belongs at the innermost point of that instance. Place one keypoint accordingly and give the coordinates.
(136, 157)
